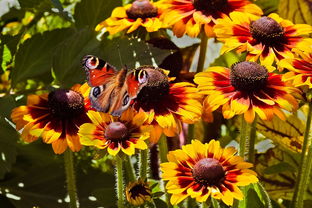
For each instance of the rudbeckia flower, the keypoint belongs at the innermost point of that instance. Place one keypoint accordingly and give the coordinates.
(142, 13)
(300, 70)
(202, 170)
(125, 133)
(168, 104)
(266, 38)
(54, 116)
(138, 192)
(189, 16)
(247, 88)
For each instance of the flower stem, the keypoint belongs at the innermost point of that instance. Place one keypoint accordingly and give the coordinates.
(163, 148)
(202, 52)
(190, 133)
(71, 179)
(266, 197)
(143, 163)
(120, 184)
(252, 140)
(305, 167)
(129, 168)
(243, 138)
(163, 151)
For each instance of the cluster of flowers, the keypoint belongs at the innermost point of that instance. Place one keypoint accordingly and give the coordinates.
(64, 118)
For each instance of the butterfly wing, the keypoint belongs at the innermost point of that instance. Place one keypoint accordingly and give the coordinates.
(134, 82)
(98, 71)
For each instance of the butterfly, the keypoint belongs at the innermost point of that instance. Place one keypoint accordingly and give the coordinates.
(111, 90)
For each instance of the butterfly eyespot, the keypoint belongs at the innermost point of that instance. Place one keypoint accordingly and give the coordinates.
(96, 91)
(126, 100)
(92, 62)
(142, 78)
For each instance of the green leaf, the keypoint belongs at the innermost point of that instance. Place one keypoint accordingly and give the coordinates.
(158, 194)
(268, 6)
(278, 168)
(8, 138)
(31, 4)
(298, 11)
(253, 199)
(6, 57)
(67, 60)
(160, 203)
(34, 57)
(7, 103)
(91, 12)
(131, 52)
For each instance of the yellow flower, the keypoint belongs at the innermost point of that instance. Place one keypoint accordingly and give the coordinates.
(189, 16)
(125, 133)
(130, 17)
(138, 192)
(202, 170)
(247, 88)
(167, 104)
(300, 70)
(54, 116)
(268, 38)
(5, 82)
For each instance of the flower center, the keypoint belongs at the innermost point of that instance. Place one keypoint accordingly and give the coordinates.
(65, 103)
(210, 6)
(116, 131)
(141, 9)
(155, 90)
(137, 190)
(248, 76)
(267, 31)
(208, 172)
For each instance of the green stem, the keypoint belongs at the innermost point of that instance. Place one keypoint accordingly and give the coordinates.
(163, 151)
(243, 138)
(305, 167)
(204, 205)
(190, 133)
(163, 148)
(202, 52)
(120, 184)
(215, 203)
(266, 197)
(71, 179)
(252, 140)
(143, 163)
(129, 169)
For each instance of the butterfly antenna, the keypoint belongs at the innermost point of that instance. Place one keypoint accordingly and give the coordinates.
(120, 59)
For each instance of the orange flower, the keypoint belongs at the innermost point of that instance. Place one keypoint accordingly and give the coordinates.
(247, 88)
(130, 17)
(189, 16)
(54, 116)
(203, 170)
(269, 38)
(168, 104)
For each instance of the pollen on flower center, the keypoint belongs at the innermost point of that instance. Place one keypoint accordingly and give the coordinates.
(65, 103)
(141, 9)
(155, 90)
(210, 6)
(248, 76)
(267, 31)
(208, 171)
(116, 131)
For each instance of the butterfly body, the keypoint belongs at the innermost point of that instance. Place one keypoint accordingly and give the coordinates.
(111, 90)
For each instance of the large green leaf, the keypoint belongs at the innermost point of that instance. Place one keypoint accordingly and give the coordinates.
(131, 52)
(31, 4)
(38, 180)
(91, 12)
(8, 137)
(34, 57)
(298, 11)
(67, 60)
(7, 103)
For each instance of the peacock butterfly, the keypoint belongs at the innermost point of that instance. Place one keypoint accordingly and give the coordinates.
(111, 90)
